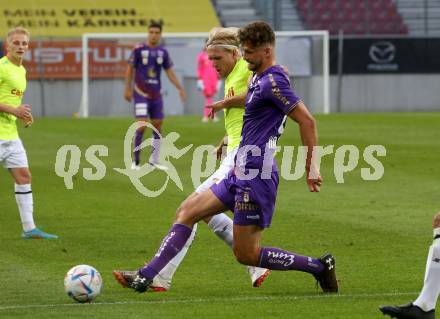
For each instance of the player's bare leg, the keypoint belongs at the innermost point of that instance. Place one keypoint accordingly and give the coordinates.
(222, 226)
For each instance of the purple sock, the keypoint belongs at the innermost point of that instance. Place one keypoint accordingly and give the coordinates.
(278, 259)
(137, 141)
(155, 148)
(171, 245)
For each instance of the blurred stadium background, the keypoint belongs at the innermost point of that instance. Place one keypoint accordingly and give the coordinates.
(384, 54)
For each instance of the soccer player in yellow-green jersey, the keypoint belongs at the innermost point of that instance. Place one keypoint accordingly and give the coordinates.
(222, 48)
(12, 153)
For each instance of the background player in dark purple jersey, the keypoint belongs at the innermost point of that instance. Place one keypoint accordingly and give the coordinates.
(142, 85)
(251, 187)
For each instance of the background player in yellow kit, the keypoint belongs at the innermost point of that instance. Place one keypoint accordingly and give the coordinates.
(12, 153)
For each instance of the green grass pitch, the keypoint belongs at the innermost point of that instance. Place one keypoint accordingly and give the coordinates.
(379, 231)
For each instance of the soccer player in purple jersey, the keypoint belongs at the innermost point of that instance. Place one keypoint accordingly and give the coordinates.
(251, 187)
(223, 50)
(144, 69)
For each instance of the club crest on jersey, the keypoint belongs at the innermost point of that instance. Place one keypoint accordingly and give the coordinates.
(246, 197)
(151, 72)
(159, 60)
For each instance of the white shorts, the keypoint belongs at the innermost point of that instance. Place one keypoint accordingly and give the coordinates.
(13, 154)
(226, 165)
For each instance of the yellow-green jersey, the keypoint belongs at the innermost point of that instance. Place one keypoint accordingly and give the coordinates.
(235, 84)
(12, 87)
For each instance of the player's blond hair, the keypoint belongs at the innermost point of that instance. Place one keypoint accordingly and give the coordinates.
(226, 38)
(18, 30)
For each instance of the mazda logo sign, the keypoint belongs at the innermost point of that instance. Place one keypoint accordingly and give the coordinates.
(382, 52)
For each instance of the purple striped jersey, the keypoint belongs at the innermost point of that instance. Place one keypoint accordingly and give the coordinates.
(148, 63)
(268, 102)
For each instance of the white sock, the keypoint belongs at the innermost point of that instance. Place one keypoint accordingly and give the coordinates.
(168, 271)
(25, 203)
(156, 149)
(431, 288)
(222, 226)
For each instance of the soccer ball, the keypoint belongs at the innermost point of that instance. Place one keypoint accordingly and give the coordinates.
(83, 283)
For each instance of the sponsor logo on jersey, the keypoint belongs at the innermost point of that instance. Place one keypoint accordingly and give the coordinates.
(17, 92)
(241, 206)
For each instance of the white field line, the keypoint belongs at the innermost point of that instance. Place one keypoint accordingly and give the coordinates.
(207, 300)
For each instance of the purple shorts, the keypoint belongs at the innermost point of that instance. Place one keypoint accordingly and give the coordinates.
(145, 107)
(251, 201)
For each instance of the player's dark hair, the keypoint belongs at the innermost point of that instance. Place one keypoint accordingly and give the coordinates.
(156, 24)
(256, 34)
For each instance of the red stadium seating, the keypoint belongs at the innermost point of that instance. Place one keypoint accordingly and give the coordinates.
(352, 16)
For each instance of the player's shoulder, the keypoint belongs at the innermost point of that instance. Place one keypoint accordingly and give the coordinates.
(202, 56)
(240, 71)
(243, 65)
(276, 75)
(139, 46)
(4, 61)
(4, 64)
(278, 72)
(162, 48)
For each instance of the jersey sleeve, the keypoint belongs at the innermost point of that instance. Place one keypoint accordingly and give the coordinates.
(132, 60)
(167, 62)
(277, 90)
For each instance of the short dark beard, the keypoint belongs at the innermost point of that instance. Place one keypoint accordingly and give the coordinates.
(255, 66)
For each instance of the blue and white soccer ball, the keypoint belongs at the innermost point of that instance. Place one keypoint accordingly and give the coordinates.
(83, 283)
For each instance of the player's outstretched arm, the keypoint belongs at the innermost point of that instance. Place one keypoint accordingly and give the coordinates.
(233, 101)
(309, 138)
(173, 79)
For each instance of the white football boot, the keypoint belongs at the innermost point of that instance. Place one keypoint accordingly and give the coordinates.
(258, 275)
